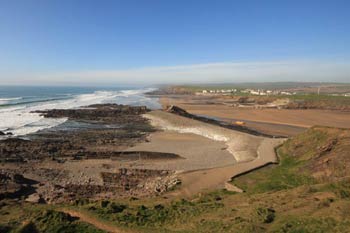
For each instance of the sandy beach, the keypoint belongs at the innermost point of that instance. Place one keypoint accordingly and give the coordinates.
(242, 146)
(203, 169)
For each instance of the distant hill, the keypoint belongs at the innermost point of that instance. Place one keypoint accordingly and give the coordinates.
(306, 87)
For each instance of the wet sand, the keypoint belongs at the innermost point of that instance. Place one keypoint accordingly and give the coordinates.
(247, 151)
(287, 122)
(242, 146)
(198, 152)
(218, 178)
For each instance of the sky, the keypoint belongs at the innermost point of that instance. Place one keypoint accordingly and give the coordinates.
(63, 42)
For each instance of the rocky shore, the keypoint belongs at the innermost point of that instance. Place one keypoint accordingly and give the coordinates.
(111, 151)
(46, 166)
(108, 127)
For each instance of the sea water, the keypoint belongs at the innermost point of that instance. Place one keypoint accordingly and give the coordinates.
(18, 103)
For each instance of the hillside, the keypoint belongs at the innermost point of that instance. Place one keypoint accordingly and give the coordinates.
(319, 155)
(308, 191)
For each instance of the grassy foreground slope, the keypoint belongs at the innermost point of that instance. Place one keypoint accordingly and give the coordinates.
(319, 155)
(29, 218)
(308, 191)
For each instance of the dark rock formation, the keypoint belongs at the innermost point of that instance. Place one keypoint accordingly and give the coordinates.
(94, 132)
(181, 112)
(107, 126)
(7, 133)
(14, 185)
(130, 155)
(130, 178)
(108, 113)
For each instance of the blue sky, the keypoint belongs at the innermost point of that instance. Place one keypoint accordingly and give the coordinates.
(115, 41)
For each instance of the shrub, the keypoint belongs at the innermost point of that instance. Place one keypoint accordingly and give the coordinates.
(267, 215)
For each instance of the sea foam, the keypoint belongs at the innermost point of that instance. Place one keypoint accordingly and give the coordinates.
(8, 100)
(20, 119)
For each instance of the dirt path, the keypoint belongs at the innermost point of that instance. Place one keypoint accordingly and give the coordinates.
(93, 221)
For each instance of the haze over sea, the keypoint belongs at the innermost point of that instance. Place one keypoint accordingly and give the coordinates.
(17, 103)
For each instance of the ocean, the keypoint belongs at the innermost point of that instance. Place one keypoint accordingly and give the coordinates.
(18, 103)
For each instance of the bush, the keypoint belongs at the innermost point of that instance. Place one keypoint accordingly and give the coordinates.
(267, 215)
(157, 215)
(104, 203)
(5, 229)
(28, 228)
(116, 208)
(56, 221)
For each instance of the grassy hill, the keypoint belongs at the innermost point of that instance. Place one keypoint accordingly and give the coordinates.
(308, 191)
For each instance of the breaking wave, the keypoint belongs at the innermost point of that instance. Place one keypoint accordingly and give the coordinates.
(18, 118)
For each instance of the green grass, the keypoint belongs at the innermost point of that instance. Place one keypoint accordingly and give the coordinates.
(319, 97)
(304, 146)
(43, 218)
(275, 177)
(55, 221)
(341, 189)
(293, 170)
(155, 215)
(293, 224)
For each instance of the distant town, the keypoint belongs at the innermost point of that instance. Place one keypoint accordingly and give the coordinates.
(261, 92)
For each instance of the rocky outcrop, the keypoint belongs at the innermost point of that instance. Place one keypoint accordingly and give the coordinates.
(34, 198)
(94, 132)
(142, 181)
(108, 113)
(181, 112)
(131, 155)
(14, 185)
(104, 126)
(55, 186)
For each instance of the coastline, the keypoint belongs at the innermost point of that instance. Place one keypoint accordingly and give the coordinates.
(250, 152)
(146, 151)
(20, 112)
(283, 122)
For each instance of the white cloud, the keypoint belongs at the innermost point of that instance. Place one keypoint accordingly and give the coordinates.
(323, 71)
